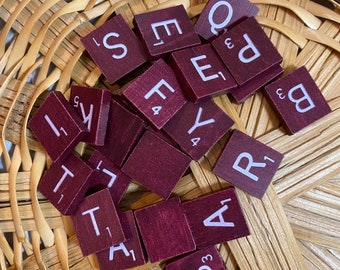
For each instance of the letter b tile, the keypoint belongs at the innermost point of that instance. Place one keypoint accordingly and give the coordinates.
(248, 164)
(297, 99)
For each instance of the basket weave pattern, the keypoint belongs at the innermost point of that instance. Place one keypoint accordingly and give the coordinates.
(297, 223)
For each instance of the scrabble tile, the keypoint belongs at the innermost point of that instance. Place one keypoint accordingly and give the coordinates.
(244, 91)
(166, 30)
(97, 223)
(57, 126)
(156, 164)
(197, 127)
(127, 254)
(248, 164)
(93, 107)
(205, 259)
(115, 48)
(65, 183)
(215, 218)
(164, 230)
(201, 72)
(108, 176)
(297, 99)
(123, 131)
(156, 94)
(219, 15)
(248, 54)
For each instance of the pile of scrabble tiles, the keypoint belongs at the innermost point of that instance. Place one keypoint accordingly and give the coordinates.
(155, 125)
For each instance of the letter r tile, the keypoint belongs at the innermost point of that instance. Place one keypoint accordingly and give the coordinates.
(215, 218)
(97, 223)
(248, 164)
(297, 99)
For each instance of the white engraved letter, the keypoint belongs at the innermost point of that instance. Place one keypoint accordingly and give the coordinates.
(246, 171)
(93, 219)
(156, 89)
(200, 69)
(305, 97)
(198, 123)
(222, 24)
(67, 172)
(249, 46)
(165, 24)
(208, 222)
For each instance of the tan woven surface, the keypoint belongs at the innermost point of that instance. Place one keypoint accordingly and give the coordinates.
(295, 226)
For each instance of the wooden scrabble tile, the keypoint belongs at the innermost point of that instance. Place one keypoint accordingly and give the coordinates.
(166, 30)
(156, 164)
(164, 230)
(219, 15)
(201, 72)
(248, 164)
(93, 106)
(123, 131)
(97, 223)
(65, 183)
(215, 218)
(127, 254)
(248, 53)
(156, 94)
(197, 127)
(297, 99)
(204, 259)
(115, 48)
(108, 176)
(57, 126)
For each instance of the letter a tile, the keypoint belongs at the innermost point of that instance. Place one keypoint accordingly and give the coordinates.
(57, 126)
(156, 94)
(156, 164)
(166, 30)
(215, 218)
(127, 254)
(97, 223)
(197, 127)
(204, 259)
(248, 164)
(219, 15)
(115, 48)
(297, 99)
(164, 230)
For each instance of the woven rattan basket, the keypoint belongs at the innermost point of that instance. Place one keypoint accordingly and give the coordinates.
(297, 223)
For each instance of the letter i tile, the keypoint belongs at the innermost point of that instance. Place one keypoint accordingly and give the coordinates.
(215, 218)
(248, 164)
(97, 223)
(297, 99)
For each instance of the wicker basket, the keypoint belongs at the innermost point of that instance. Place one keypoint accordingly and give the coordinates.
(297, 223)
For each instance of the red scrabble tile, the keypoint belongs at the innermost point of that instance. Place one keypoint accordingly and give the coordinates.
(156, 94)
(205, 259)
(201, 72)
(65, 183)
(156, 164)
(250, 57)
(127, 254)
(97, 223)
(197, 127)
(57, 126)
(166, 30)
(248, 164)
(123, 131)
(115, 48)
(215, 218)
(108, 176)
(219, 15)
(164, 230)
(93, 106)
(297, 99)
